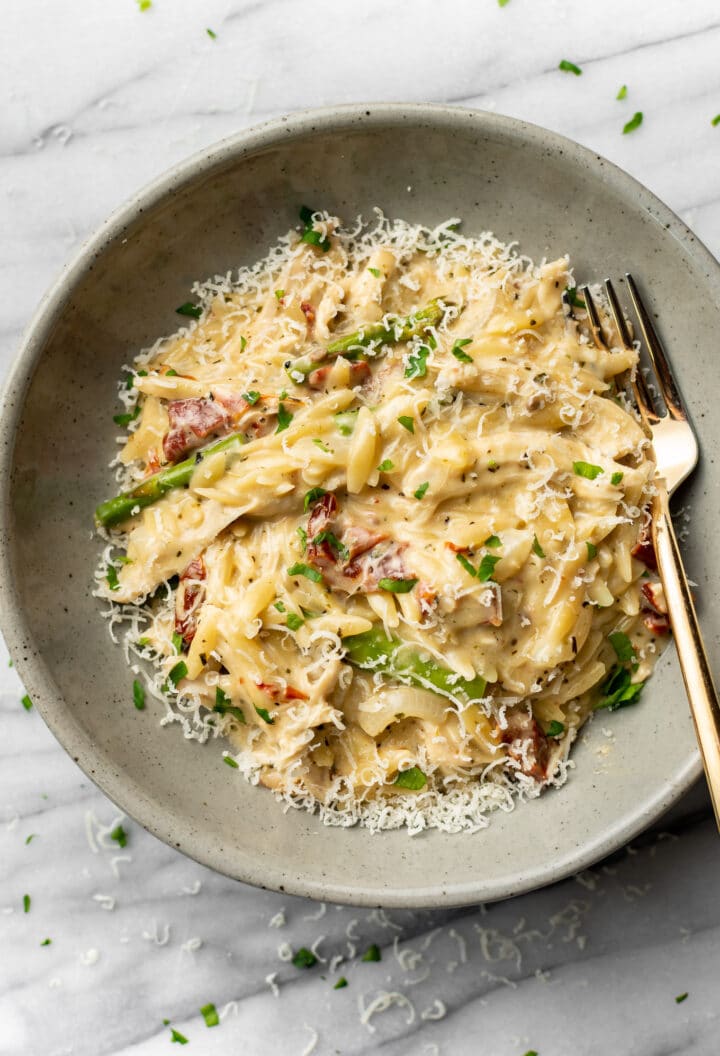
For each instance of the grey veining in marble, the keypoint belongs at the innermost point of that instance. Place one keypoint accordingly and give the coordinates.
(98, 99)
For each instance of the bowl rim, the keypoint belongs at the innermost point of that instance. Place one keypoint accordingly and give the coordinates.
(31, 667)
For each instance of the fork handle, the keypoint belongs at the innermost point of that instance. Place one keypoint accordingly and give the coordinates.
(701, 691)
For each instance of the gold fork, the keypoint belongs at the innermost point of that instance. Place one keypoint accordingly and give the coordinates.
(676, 455)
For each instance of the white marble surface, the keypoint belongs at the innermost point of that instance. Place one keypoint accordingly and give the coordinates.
(98, 98)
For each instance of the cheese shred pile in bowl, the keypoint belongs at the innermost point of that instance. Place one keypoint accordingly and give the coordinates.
(383, 523)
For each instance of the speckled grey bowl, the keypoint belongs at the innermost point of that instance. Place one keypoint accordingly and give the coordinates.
(223, 208)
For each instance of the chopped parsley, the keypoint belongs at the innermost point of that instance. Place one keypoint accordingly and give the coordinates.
(178, 672)
(386, 466)
(332, 540)
(119, 835)
(342, 982)
(493, 542)
(28, 839)
(130, 416)
(294, 621)
(322, 445)
(457, 350)
(304, 958)
(591, 549)
(194, 311)
(138, 695)
(419, 493)
(555, 729)
(209, 1014)
(618, 691)
(143, 643)
(569, 67)
(251, 397)
(175, 1035)
(223, 706)
(171, 373)
(572, 297)
(264, 715)
(177, 642)
(312, 497)
(26, 702)
(503, 3)
(587, 470)
(487, 567)
(46, 942)
(372, 953)
(616, 478)
(536, 548)
(397, 586)
(310, 235)
(284, 418)
(299, 569)
(413, 779)
(375, 271)
(531, 1052)
(622, 92)
(469, 568)
(407, 422)
(622, 645)
(681, 997)
(635, 121)
(26, 903)
(213, 36)
(279, 606)
(715, 121)
(112, 577)
(144, 5)
(279, 294)
(230, 762)
(417, 362)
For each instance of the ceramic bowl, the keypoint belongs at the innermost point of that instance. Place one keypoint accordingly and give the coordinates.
(223, 208)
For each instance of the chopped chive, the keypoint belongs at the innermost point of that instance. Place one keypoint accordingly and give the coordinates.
(345, 421)
(138, 695)
(342, 982)
(322, 445)
(715, 121)
(26, 702)
(303, 537)
(616, 478)
(251, 397)
(143, 643)
(413, 779)
(503, 3)
(177, 642)
(193, 311)
(312, 496)
(28, 839)
(26, 903)
(178, 672)
(294, 621)
(213, 36)
(680, 998)
(304, 958)
(407, 422)
(375, 271)
(209, 1014)
(284, 418)
(591, 549)
(386, 466)
(223, 706)
(310, 235)
(265, 715)
(569, 67)
(171, 373)
(587, 470)
(119, 835)
(419, 493)
(470, 568)
(299, 569)
(279, 606)
(493, 542)
(46, 942)
(635, 121)
(457, 350)
(125, 419)
(397, 586)
(175, 1035)
(572, 297)
(144, 5)
(332, 540)
(243, 343)
(536, 548)
(112, 577)
(555, 728)
(279, 294)
(487, 567)
(372, 953)
(622, 92)
(230, 762)
(622, 645)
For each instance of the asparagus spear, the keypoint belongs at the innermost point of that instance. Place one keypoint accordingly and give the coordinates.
(374, 651)
(371, 335)
(149, 491)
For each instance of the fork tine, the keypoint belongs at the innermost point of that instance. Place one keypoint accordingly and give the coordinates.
(642, 392)
(666, 381)
(595, 324)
